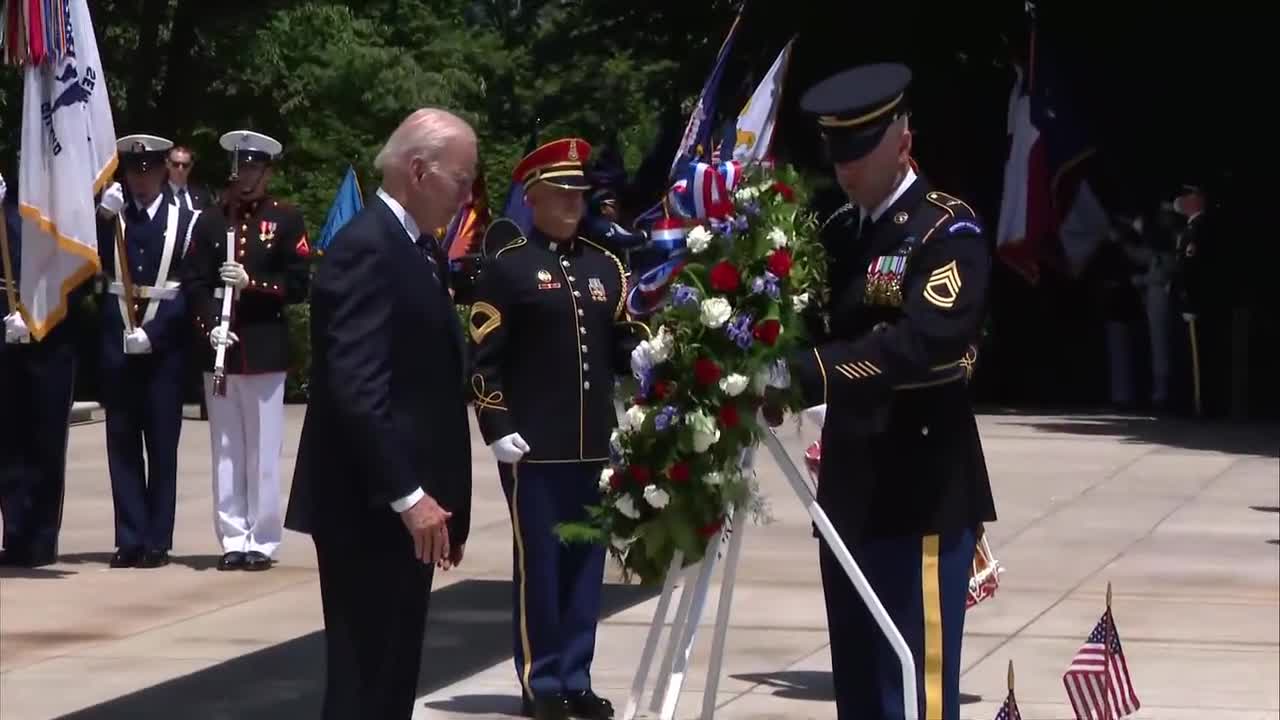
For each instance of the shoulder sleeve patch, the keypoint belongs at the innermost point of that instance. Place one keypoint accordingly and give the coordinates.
(964, 227)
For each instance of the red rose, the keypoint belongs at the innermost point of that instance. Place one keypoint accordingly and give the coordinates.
(661, 389)
(639, 474)
(679, 473)
(709, 530)
(767, 331)
(724, 277)
(786, 192)
(616, 479)
(706, 371)
(639, 400)
(729, 416)
(780, 263)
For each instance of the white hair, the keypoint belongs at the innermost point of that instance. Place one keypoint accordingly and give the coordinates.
(423, 135)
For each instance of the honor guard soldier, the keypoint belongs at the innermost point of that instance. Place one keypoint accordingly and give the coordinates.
(144, 332)
(248, 261)
(902, 474)
(548, 336)
(36, 384)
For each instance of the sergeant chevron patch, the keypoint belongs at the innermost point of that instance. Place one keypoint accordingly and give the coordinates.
(483, 320)
(944, 286)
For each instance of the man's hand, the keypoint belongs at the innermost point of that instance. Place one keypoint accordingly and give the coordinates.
(15, 328)
(510, 449)
(425, 522)
(218, 338)
(3, 188)
(137, 342)
(454, 559)
(112, 201)
(233, 273)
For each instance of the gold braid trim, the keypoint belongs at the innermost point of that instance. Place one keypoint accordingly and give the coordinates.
(490, 401)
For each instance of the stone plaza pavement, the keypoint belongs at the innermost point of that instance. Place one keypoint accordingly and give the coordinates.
(1180, 518)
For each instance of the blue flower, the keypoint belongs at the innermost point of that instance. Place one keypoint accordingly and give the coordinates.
(664, 418)
(740, 221)
(739, 330)
(683, 295)
(751, 208)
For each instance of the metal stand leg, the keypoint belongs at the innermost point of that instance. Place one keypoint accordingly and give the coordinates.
(841, 551)
(722, 617)
(651, 641)
(674, 682)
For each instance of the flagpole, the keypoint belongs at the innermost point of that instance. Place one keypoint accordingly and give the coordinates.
(9, 290)
(1106, 656)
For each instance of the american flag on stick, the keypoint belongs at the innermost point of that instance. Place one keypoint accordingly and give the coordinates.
(1097, 681)
(1009, 710)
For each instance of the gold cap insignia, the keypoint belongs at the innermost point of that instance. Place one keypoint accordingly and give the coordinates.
(544, 276)
(573, 149)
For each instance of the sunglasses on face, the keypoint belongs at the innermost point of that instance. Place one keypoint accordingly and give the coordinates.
(180, 165)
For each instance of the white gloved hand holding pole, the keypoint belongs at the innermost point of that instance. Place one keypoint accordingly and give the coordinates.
(15, 328)
(112, 201)
(233, 273)
(137, 342)
(218, 337)
(510, 449)
(3, 188)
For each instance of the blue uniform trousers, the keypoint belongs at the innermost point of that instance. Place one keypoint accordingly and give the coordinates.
(36, 390)
(142, 398)
(557, 586)
(923, 583)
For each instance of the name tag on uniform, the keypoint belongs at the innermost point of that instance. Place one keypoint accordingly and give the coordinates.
(884, 280)
(544, 281)
(597, 290)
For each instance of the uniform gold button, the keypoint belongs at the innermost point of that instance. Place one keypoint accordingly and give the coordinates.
(581, 312)
(582, 330)
(586, 385)
(564, 263)
(584, 349)
(586, 366)
(577, 294)
(925, 431)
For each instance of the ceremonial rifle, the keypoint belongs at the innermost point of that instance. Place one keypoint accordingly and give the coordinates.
(126, 280)
(224, 319)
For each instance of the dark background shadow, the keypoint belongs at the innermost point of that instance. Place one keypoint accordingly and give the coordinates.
(468, 629)
(1245, 439)
(814, 685)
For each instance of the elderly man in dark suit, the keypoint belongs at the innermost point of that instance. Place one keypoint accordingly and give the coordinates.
(383, 477)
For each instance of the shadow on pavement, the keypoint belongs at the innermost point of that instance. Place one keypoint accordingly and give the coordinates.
(1222, 436)
(468, 630)
(815, 685)
(486, 705)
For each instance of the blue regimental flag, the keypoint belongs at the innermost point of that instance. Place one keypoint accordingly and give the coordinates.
(346, 203)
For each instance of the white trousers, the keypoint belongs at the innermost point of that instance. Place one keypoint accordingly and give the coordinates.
(246, 435)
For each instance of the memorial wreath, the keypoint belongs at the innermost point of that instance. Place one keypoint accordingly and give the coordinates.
(723, 314)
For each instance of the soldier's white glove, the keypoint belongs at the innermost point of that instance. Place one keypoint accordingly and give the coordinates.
(137, 342)
(1189, 317)
(218, 337)
(816, 414)
(112, 201)
(510, 449)
(15, 328)
(234, 274)
(3, 188)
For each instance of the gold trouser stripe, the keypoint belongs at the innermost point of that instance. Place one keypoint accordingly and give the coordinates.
(932, 629)
(524, 618)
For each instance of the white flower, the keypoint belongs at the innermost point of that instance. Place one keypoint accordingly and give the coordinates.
(642, 359)
(800, 302)
(661, 345)
(746, 194)
(634, 418)
(705, 432)
(715, 312)
(656, 496)
(620, 543)
(698, 239)
(778, 238)
(627, 507)
(734, 384)
(713, 478)
(605, 476)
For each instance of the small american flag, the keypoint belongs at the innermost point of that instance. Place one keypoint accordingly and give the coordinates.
(1098, 682)
(1009, 710)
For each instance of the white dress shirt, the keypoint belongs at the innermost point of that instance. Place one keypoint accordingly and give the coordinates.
(411, 228)
(151, 209)
(907, 179)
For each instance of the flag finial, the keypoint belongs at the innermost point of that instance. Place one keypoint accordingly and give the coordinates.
(1010, 677)
(1108, 594)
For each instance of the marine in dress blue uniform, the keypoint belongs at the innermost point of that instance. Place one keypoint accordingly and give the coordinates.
(902, 474)
(549, 336)
(37, 379)
(144, 333)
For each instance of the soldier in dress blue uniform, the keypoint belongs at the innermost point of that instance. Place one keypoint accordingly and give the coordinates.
(256, 248)
(549, 336)
(37, 379)
(902, 472)
(144, 333)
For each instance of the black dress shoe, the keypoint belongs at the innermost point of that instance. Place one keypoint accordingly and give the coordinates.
(126, 558)
(588, 705)
(256, 561)
(547, 707)
(233, 560)
(154, 559)
(26, 557)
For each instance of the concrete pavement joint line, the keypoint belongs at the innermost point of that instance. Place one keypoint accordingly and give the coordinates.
(1185, 501)
(1059, 507)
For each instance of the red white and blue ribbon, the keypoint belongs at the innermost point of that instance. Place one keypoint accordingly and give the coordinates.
(668, 234)
(650, 291)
